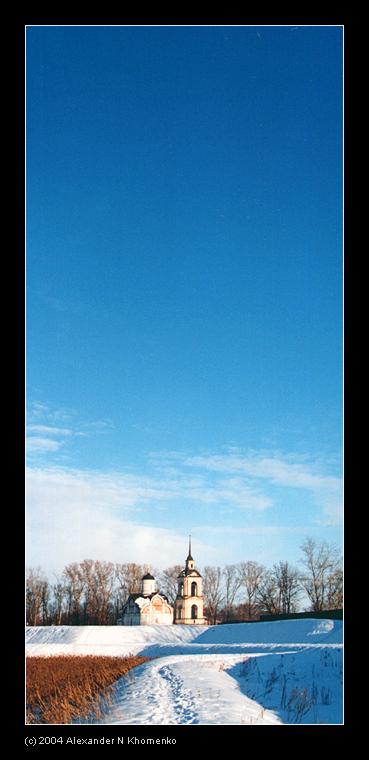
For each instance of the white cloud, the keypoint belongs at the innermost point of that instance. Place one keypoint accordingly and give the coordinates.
(235, 491)
(46, 433)
(42, 412)
(326, 489)
(72, 515)
(125, 491)
(101, 425)
(41, 445)
(48, 430)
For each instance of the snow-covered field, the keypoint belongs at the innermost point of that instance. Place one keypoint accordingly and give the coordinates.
(286, 671)
(115, 640)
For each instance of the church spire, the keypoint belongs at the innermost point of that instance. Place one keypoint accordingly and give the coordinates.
(190, 557)
(189, 606)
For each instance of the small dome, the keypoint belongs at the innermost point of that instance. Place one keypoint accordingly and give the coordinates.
(148, 577)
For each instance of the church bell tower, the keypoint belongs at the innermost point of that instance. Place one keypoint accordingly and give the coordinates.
(189, 604)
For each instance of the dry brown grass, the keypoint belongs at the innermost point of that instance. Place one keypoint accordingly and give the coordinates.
(63, 689)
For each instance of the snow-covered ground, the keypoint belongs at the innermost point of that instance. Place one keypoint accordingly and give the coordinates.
(114, 640)
(195, 689)
(286, 671)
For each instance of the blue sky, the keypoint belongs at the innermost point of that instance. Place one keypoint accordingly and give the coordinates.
(184, 279)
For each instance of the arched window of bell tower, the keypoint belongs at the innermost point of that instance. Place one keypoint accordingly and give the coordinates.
(194, 588)
(194, 612)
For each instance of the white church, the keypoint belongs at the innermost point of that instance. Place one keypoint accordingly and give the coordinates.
(151, 607)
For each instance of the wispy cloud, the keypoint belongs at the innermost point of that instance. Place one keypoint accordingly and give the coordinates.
(41, 445)
(278, 471)
(47, 430)
(75, 513)
(287, 473)
(72, 515)
(254, 477)
(126, 491)
(100, 425)
(251, 530)
(39, 411)
(46, 433)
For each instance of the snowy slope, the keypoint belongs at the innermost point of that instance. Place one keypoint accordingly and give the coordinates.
(104, 639)
(250, 638)
(307, 631)
(298, 688)
(155, 640)
(287, 671)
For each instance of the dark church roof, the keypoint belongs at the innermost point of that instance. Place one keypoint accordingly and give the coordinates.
(137, 595)
(148, 577)
(187, 571)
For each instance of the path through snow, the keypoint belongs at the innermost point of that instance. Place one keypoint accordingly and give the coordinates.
(185, 690)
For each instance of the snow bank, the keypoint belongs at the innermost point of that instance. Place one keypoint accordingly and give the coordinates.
(303, 631)
(156, 640)
(104, 639)
(301, 687)
(304, 687)
(285, 671)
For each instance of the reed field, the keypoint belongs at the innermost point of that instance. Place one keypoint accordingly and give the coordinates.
(72, 688)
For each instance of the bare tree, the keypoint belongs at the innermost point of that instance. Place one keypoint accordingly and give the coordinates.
(129, 576)
(87, 576)
(103, 579)
(267, 595)
(168, 581)
(251, 576)
(37, 596)
(45, 598)
(59, 596)
(288, 584)
(232, 582)
(321, 562)
(74, 585)
(335, 590)
(93, 584)
(213, 591)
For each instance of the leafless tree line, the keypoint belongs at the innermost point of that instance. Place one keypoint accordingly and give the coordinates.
(248, 589)
(93, 592)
